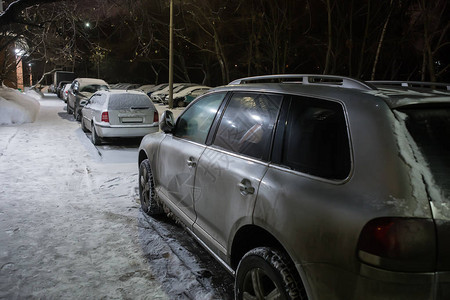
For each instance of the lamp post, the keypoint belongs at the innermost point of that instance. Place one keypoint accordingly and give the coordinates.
(171, 56)
(19, 68)
(31, 74)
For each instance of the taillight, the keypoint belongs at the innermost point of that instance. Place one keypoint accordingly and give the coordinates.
(399, 244)
(155, 117)
(105, 117)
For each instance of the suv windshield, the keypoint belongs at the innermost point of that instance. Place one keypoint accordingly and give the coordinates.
(430, 128)
(126, 101)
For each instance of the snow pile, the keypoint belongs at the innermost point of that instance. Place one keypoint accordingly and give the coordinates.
(16, 107)
(36, 94)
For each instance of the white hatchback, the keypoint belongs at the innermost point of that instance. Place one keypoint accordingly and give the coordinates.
(119, 113)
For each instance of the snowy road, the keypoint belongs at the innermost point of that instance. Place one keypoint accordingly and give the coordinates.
(71, 228)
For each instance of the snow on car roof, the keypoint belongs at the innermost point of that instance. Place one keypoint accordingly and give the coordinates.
(401, 96)
(88, 81)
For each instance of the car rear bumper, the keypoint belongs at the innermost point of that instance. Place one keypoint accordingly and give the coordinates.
(104, 130)
(329, 282)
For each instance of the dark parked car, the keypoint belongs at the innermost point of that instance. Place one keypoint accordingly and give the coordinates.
(81, 89)
(60, 88)
(315, 187)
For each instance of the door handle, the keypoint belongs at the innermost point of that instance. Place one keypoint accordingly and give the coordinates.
(191, 163)
(245, 186)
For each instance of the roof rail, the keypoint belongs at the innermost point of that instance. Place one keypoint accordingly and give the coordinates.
(422, 84)
(311, 79)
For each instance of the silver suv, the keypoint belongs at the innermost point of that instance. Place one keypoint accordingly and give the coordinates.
(311, 186)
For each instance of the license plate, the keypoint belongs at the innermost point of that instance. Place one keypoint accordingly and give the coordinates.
(131, 120)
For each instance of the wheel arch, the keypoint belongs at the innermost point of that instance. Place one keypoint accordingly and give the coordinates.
(250, 237)
(141, 156)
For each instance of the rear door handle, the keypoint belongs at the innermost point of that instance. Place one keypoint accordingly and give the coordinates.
(191, 163)
(245, 186)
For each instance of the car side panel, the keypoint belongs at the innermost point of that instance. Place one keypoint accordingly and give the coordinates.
(220, 205)
(176, 168)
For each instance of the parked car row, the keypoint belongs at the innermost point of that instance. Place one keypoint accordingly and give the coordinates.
(110, 113)
(184, 93)
(311, 186)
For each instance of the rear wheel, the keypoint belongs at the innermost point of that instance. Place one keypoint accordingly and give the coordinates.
(96, 140)
(266, 273)
(69, 110)
(147, 193)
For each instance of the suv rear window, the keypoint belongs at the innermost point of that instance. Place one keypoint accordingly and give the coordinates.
(127, 101)
(430, 129)
(316, 139)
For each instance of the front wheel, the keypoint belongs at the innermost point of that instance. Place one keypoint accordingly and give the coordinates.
(266, 273)
(147, 194)
(76, 115)
(76, 112)
(83, 126)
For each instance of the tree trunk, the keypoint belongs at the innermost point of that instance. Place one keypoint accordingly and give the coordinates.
(427, 53)
(380, 42)
(363, 46)
(328, 56)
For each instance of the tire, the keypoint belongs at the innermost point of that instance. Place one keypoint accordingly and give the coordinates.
(147, 194)
(69, 111)
(266, 273)
(83, 126)
(76, 112)
(76, 115)
(95, 139)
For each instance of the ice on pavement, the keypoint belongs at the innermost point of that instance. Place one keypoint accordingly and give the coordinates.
(70, 223)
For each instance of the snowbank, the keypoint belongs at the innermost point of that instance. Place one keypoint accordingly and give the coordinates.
(16, 107)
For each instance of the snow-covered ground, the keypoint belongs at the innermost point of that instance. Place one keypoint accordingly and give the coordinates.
(70, 223)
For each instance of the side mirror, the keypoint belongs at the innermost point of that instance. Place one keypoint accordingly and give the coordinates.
(84, 102)
(167, 122)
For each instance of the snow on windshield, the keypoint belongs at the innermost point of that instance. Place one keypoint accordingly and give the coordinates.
(17, 107)
(422, 179)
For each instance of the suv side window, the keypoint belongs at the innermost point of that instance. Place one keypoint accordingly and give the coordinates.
(316, 139)
(247, 124)
(195, 122)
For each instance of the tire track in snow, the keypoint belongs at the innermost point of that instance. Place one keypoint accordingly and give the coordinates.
(183, 267)
(7, 143)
